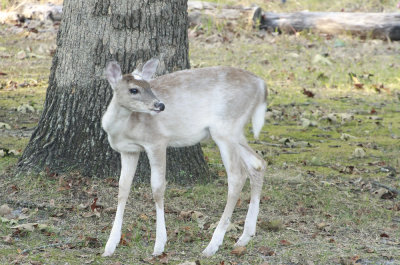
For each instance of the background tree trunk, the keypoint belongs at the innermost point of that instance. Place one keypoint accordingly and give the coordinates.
(69, 136)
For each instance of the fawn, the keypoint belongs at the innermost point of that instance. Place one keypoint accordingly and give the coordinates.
(181, 109)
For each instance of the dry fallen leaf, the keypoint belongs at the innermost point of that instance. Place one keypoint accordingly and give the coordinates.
(143, 217)
(185, 215)
(125, 239)
(95, 205)
(266, 251)
(345, 137)
(321, 225)
(359, 152)
(197, 215)
(30, 227)
(388, 195)
(308, 93)
(5, 126)
(190, 215)
(359, 85)
(175, 192)
(26, 108)
(21, 55)
(109, 210)
(231, 226)
(112, 182)
(83, 206)
(8, 239)
(284, 242)
(331, 117)
(271, 225)
(384, 235)
(369, 250)
(238, 251)
(375, 118)
(321, 59)
(92, 242)
(349, 260)
(63, 185)
(5, 210)
(346, 117)
(163, 259)
(91, 214)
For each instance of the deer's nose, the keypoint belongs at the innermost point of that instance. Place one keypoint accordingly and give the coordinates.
(159, 105)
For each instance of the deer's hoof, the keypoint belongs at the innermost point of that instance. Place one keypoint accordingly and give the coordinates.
(107, 253)
(210, 250)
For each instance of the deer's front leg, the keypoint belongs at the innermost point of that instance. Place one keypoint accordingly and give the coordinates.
(157, 159)
(128, 167)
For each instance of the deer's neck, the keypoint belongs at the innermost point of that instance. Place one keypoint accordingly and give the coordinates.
(115, 118)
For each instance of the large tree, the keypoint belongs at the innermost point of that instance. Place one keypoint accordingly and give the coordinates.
(69, 134)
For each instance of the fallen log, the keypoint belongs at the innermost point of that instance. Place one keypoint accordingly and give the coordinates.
(31, 11)
(374, 25)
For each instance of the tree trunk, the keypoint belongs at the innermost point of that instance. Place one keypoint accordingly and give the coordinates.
(69, 136)
(374, 25)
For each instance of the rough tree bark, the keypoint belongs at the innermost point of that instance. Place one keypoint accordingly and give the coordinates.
(374, 25)
(69, 134)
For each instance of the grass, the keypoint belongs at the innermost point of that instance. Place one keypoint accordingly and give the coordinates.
(307, 209)
(319, 203)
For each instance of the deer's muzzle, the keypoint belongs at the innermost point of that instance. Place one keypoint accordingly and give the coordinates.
(159, 106)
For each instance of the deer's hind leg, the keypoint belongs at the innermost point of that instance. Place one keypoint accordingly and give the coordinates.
(255, 168)
(236, 179)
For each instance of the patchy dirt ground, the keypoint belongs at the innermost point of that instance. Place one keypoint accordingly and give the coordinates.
(331, 139)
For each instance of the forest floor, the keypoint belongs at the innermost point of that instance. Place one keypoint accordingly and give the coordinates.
(331, 140)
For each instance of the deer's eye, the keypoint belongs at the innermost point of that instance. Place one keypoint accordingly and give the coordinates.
(134, 91)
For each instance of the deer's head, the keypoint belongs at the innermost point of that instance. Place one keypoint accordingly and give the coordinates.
(133, 91)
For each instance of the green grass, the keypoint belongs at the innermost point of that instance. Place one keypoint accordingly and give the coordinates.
(311, 214)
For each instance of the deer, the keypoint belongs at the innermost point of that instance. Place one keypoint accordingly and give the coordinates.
(181, 109)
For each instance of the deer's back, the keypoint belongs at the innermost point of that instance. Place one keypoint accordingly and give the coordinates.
(199, 99)
(213, 90)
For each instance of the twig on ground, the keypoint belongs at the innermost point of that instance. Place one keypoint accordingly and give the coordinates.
(266, 143)
(30, 205)
(46, 246)
(393, 190)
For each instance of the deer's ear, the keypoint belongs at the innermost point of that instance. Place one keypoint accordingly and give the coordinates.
(113, 73)
(149, 68)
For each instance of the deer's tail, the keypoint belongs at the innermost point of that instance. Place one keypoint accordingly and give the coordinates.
(258, 117)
